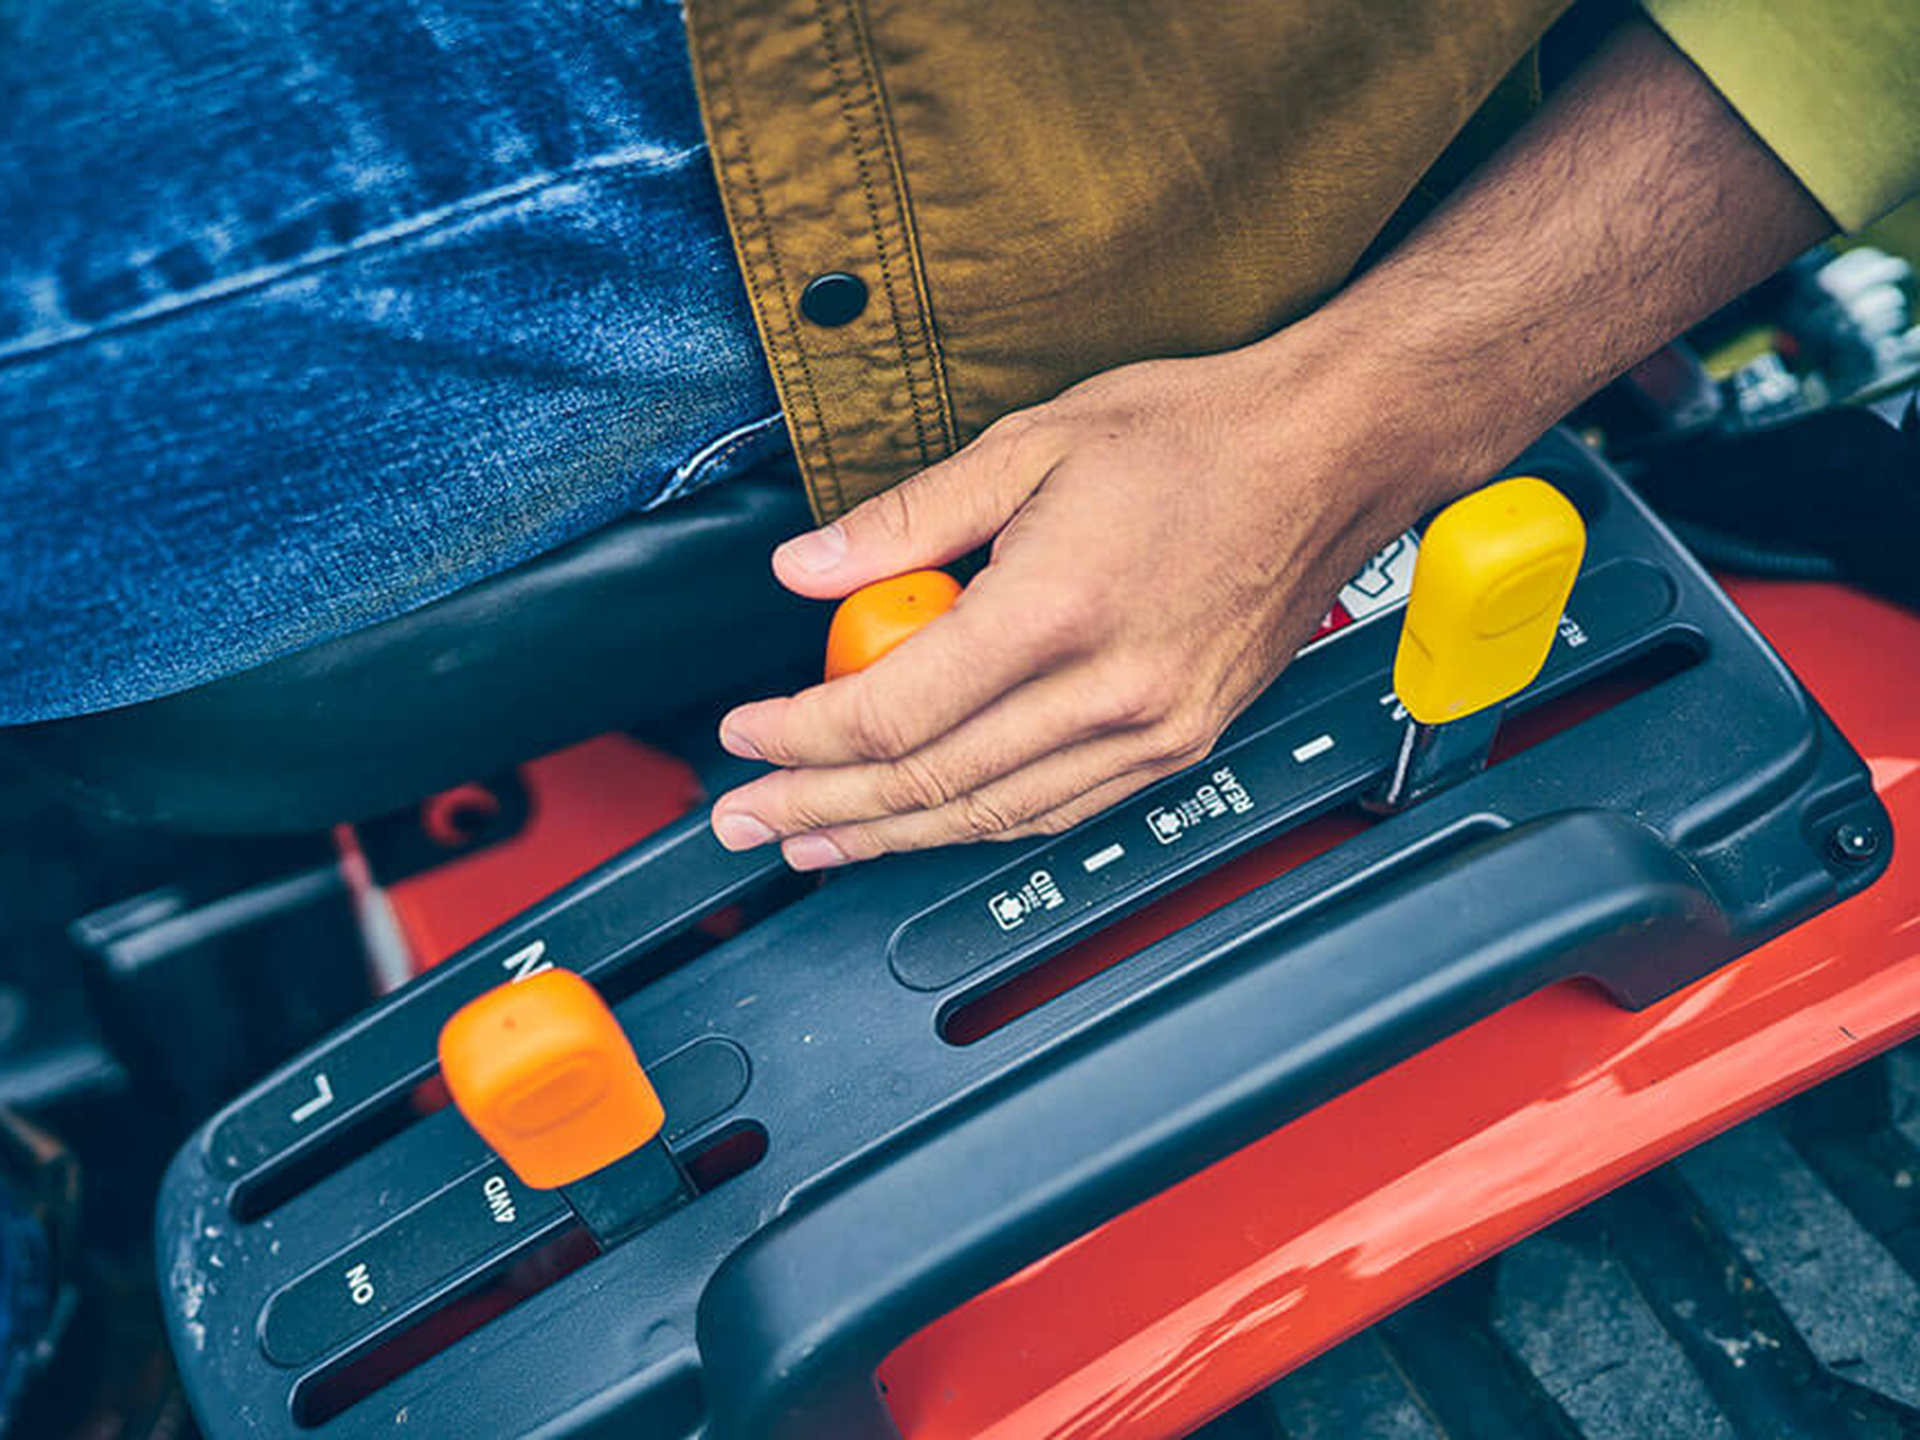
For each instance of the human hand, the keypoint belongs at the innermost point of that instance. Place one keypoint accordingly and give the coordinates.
(1165, 536)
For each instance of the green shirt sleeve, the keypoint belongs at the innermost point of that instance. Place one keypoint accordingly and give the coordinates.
(1832, 87)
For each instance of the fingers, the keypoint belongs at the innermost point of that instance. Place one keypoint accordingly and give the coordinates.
(1033, 720)
(926, 520)
(1062, 818)
(1024, 802)
(987, 645)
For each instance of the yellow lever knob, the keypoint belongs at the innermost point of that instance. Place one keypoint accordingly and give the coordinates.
(1491, 583)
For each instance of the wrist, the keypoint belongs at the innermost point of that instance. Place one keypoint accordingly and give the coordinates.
(1406, 429)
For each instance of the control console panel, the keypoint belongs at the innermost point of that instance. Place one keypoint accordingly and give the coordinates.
(836, 1162)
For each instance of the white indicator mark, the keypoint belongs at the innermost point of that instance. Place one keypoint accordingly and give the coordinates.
(322, 1097)
(499, 1200)
(1319, 745)
(529, 959)
(1101, 858)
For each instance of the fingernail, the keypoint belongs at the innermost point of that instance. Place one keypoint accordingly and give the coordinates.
(739, 831)
(817, 550)
(734, 743)
(812, 852)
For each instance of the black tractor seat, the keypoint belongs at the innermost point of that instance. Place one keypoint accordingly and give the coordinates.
(643, 620)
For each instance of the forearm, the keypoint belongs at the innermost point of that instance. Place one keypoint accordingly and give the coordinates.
(1634, 205)
(1166, 534)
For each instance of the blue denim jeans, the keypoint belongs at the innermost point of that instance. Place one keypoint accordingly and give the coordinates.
(312, 311)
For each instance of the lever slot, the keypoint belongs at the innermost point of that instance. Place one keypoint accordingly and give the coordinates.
(983, 1010)
(329, 1391)
(488, 1212)
(309, 1319)
(979, 1014)
(626, 922)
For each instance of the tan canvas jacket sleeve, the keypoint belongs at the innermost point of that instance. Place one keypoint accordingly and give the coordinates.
(1032, 191)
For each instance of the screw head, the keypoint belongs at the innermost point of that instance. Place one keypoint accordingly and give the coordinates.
(1853, 842)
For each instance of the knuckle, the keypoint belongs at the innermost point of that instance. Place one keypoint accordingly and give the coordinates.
(791, 805)
(982, 815)
(914, 783)
(776, 747)
(875, 729)
(858, 842)
(890, 514)
(1016, 451)
(1012, 427)
(1063, 617)
(1135, 697)
(1054, 822)
(798, 815)
(1182, 739)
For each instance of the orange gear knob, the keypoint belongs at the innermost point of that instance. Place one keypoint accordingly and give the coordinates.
(877, 617)
(541, 1068)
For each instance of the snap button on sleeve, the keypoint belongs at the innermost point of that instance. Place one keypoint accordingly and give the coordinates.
(834, 298)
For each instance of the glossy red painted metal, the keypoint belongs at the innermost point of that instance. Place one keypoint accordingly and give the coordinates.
(588, 802)
(1177, 1309)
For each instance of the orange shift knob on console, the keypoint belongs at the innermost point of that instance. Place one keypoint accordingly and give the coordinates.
(877, 617)
(544, 1072)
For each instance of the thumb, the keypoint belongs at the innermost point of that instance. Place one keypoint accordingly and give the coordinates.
(926, 520)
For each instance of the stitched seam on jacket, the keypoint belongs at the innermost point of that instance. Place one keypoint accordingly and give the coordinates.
(727, 128)
(848, 102)
(935, 359)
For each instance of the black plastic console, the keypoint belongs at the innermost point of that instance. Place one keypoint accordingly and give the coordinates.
(333, 1261)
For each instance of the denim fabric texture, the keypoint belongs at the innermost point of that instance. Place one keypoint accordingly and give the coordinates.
(313, 311)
